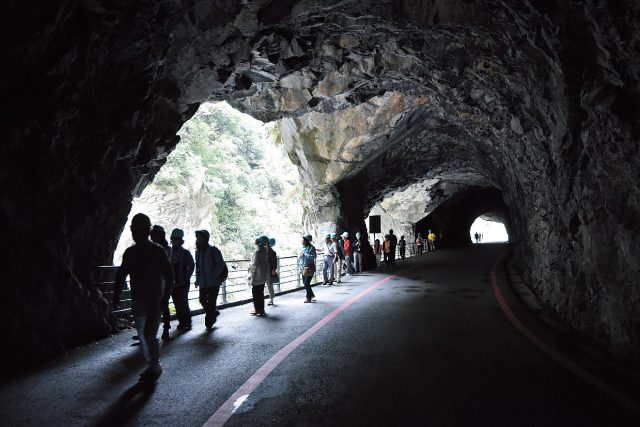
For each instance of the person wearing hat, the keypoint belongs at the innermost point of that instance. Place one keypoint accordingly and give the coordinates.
(330, 255)
(337, 263)
(209, 272)
(183, 267)
(357, 253)
(307, 264)
(259, 274)
(402, 247)
(149, 269)
(348, 252)
(158, 236)
(273, 268)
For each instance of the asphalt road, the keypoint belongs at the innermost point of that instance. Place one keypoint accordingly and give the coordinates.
(429, 346)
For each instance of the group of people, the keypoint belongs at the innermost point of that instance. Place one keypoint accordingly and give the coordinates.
(429, 242)
(263, 271)
(478, 237)
(159, 271)
(387, 249)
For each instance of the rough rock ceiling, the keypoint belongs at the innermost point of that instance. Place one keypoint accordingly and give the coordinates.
(537, 99)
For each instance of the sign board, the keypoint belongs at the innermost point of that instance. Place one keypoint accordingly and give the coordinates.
(374, 224)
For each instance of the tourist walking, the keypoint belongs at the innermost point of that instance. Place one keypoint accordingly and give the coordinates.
(377, 250)
(307, 264)
(149, 269)
(158, 236)
(337, 263)
(183, 266)
(431, 240)
(392, 250)
(273, 269)
(402, 246)
(477, 237)
(357, 253)
(348, 253)
(419, 244)
(386, 250)
(210, 269)
(259, 274)
(328, 261)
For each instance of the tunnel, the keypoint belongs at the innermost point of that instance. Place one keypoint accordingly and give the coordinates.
(528, 109)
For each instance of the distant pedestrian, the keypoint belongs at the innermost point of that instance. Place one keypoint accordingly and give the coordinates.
(392, 250)
(183, 267)
(357, 253)
(209, 276)
(477, 237)
(149, 267)
(377, 250)
(273, 269)
(337, 264)
(259, 274)
(431, 240)
(348, 253)
(402, 246)
(386, 250)
(419, 244)
(158, 236)
(328, 262)
(307, 263)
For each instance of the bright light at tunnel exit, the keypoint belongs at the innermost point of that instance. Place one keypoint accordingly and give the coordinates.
(492, 232)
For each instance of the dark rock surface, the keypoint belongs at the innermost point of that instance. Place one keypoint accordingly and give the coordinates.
(538, 100)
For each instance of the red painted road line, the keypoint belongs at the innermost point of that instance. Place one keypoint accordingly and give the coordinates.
(586, 376)
(227, 409)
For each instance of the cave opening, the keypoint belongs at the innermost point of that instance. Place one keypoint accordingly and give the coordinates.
(230, 175)
(487, 229)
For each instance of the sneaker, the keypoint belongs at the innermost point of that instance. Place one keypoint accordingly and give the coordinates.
(253, 313)
(182, 327)
(208, 328)
(270, 303)
(151, 374)
(307, 301)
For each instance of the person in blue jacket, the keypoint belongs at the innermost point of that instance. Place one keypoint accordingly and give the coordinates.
(209, 267)
(307, 258)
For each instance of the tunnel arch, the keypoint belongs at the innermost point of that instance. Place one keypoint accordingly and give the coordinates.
(453, 218)
(524, 98)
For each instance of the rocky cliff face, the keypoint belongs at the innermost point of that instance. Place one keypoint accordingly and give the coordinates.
(537, 100)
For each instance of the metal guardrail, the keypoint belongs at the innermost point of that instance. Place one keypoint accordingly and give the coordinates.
(234, 291)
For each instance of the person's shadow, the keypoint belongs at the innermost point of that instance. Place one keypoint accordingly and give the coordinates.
(130, 402)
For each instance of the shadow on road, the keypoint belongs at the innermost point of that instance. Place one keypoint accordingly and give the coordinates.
(130, 402)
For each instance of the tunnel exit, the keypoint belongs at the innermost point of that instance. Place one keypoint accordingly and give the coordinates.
(484, 231)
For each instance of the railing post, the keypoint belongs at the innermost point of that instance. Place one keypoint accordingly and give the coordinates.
(223, 287)
(278, 273)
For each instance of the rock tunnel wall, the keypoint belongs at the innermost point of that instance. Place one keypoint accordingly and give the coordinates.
(536, 99)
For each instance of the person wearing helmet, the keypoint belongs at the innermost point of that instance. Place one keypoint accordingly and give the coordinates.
(158, 236)
(149, 268)
(402, 247)
(357, 253)
(273, 269)
(419, 244)
(393, 239)
(210, 268)
(329, 259)
(259, 274)
(183, 266)
(431, 240)
(307, 264)
(348, 253)
(337, 264)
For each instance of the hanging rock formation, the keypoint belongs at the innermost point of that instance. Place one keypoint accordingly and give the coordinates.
(537, 100)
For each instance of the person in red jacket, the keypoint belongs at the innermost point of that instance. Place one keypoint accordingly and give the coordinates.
(348, 253)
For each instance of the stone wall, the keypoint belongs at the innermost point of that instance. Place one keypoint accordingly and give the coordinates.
(536, 99)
